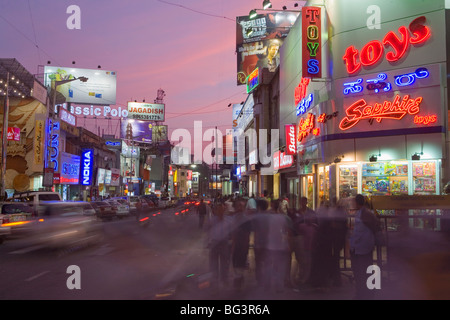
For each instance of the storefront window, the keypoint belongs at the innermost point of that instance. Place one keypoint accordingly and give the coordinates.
(424, 177)
(348, 181)
(324, 184)
(385, 178)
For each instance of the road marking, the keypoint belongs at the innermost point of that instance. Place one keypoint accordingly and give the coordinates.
(36, 276)
(26, 250)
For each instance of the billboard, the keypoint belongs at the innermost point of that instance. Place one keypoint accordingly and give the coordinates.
(159, 133)
(137, 130)
(100, 87)
(146, 111)
(258, 41)
(70, 168)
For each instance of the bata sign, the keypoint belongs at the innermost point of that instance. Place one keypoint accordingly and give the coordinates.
(282, 160)
(291, 141)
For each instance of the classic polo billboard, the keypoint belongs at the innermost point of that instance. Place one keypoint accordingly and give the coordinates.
(100, 87)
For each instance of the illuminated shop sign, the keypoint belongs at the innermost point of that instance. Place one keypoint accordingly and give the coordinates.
(394, 110)
(13, 134)
(252, 80)
(300, 90)
(382, 83)
(146, 111)
(305, 104)
(307, 126)
(282, 160)
(53, 145)
(87, 162)
(311, 42)
(398, 45)
(291, 139)
(70, 168)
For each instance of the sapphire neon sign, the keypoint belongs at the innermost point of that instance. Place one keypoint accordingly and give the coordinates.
(87, 159)
(381, 82)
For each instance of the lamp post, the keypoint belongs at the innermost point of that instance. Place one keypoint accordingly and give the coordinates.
(5, 137)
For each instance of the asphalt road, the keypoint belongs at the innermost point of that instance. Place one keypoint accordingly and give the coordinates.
(129, 262)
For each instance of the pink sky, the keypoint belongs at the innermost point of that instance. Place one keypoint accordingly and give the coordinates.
(149, 43)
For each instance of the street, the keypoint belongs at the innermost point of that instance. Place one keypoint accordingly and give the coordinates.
(131, 262)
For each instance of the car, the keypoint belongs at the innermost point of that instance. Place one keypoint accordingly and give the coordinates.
(16, 218)
(122, 209)
(65, 223)
(36, 198)
(103, 210)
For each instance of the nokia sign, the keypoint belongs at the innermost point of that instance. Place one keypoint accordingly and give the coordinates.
(87, 161)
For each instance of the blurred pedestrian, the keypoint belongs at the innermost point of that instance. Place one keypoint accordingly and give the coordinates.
(260, 224)
(219, 243)
(240, 242)
(322, 250)
(362, 244)
(307, 228)
(339, 229)
(284, 205)
(202, 210)
(251, 204)
(279, 229)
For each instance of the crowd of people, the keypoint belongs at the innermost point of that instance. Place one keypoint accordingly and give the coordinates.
(281, 237)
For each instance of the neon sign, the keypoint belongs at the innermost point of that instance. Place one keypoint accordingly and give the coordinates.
(381, 83)
(311, 42)
(252, 80)
(307, 126)
(410, 78)
(87, 161)
(289, 131)
(425, 119)
(300, 90)
(373, 51)
(394, 110)
(53, 144)
(304, 105)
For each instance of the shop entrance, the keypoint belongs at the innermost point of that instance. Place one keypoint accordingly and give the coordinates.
(307, 189)
(293, 192)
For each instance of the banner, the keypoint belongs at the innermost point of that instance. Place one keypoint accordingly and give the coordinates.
(146, 111)
(39, 138)
(258, 41)
(100, 87)
(136, 130)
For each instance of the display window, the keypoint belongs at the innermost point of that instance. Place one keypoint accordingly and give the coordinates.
(348, 180)
(385, 178)
(424, 177)
(324, 184)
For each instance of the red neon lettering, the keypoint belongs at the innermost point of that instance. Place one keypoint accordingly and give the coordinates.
(350, 59)
(394, 110)
(399, 45)
(305, 126)
(312, 14)
(425, 119)
(300, 91)
(371, 53)
(420, 32)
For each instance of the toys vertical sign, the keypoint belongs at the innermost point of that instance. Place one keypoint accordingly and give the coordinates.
(311, 42)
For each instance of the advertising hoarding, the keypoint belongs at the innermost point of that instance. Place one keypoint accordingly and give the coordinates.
(146, 111)
(258, 41)
(136, 130)
(100, 88)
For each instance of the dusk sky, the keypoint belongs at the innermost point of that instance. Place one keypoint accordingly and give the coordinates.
(185, 47)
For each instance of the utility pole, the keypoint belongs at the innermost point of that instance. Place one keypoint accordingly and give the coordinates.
(5, 137)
